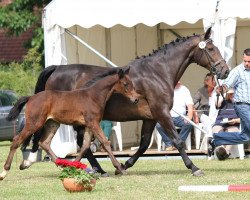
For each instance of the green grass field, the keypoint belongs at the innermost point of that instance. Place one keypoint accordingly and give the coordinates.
(148, 179)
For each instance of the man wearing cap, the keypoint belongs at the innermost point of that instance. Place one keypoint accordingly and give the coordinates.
(239, 80)
(227, 121)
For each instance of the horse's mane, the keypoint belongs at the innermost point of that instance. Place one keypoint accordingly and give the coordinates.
(100, 76)
(168, 46)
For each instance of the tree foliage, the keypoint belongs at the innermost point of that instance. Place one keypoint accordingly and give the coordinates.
(16, 18)
(21, 77)
(21, 15)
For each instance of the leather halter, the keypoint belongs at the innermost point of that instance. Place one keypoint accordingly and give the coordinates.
(202, 45)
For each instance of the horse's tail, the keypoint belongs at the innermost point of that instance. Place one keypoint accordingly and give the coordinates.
(43, 77)
(17, 108)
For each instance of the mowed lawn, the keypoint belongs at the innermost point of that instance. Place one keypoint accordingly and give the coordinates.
(148, 179)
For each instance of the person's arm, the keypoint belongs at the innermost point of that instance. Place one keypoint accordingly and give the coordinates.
(190, 108)
(195, 116)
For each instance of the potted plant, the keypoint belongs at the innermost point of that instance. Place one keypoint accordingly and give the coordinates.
(76, 176)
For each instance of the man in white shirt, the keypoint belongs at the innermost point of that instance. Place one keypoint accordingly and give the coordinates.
(183, 104)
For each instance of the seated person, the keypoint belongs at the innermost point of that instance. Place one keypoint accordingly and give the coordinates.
(226, 121)
(202, 101)
(182, 101)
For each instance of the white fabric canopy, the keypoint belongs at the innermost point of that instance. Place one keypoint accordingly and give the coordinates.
(108, 13)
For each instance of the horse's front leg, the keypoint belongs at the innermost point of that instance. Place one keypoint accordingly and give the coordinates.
(99, 134)
(169, 127)
(146, 134)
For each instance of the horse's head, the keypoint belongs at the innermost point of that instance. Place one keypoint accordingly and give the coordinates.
(125, 85)
(208, 55)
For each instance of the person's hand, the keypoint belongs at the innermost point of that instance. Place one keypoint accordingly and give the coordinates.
(219, 89)
(232, 122)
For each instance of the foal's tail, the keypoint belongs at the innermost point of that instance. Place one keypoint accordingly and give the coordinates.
(15, 111)
(43, 77)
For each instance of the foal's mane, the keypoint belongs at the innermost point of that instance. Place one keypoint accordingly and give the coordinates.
(165, 47)
(91, 82)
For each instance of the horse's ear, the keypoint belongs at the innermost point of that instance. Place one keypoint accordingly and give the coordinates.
(120, 73)
(126, 71)
(208, 33)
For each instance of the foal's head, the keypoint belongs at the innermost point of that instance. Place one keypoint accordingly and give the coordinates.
(125, 85)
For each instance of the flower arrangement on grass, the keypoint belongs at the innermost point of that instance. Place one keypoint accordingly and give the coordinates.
(79, 172)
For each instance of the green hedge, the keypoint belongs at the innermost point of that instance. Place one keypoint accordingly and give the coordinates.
(21, 77)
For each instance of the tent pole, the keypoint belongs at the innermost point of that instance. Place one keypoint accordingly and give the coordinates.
(91, 48)
(190, 121)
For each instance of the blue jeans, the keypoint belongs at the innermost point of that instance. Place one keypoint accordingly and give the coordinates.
(179, 122)
(225, 138)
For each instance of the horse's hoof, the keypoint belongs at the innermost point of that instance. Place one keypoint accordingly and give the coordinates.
(25, 164)
(123, 167)
(105, 175)
(3, 174)
(198, 173)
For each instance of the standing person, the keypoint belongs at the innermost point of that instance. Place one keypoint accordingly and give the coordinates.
(227, 120)
(239, 80)
(183, 104)
(202, 101)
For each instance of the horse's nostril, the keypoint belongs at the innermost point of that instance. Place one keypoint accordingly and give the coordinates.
(136, 101)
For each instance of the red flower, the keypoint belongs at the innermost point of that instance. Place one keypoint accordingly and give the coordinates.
(67, 163)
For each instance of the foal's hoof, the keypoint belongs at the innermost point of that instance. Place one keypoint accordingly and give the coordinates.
(198, 173)
(120, 172)
(25, 164)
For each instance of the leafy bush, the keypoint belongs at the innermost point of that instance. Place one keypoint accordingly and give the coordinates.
(21, 77)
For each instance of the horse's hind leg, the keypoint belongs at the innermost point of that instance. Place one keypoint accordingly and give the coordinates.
(49, 131)
(32, 158)
(106, 144)
(88, 153)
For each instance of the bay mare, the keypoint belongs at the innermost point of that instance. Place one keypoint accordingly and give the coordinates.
(82, 107)
(154, 77)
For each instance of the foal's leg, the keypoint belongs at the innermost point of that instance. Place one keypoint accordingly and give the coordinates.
(99, 134)
(17, 141)
(50, 129)
(146, 134)
(89, 155)
(86, 143)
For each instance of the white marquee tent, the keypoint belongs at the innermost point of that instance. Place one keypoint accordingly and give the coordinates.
(97, 21)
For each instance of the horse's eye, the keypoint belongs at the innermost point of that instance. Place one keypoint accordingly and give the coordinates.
(210, 49)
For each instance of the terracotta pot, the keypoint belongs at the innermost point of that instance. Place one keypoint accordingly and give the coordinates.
(71, 185)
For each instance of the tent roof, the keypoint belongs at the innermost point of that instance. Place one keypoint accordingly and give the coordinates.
(108, 13)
